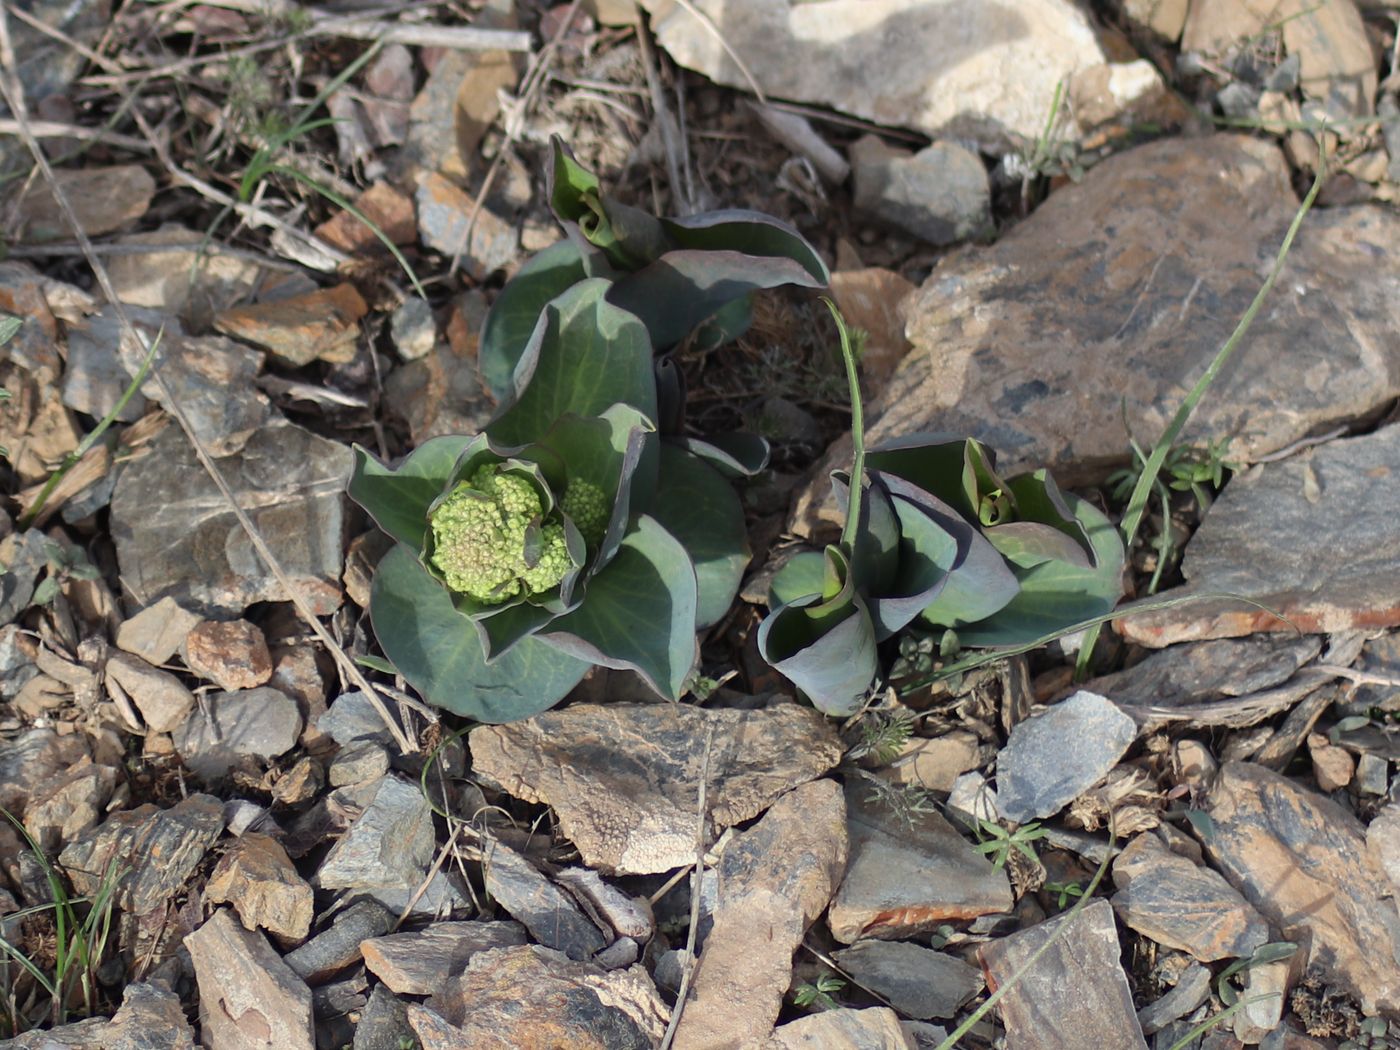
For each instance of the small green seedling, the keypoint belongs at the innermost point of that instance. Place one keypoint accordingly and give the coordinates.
(818, 993)
(1064, 892)
(1265, 954)
(998, 842)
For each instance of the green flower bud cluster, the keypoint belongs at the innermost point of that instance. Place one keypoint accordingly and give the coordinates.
(589, 508)
(490, 542)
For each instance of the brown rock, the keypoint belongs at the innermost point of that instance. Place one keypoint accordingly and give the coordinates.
(1176, 903)
(1249, 542)
(624, 778)
(904, 879)
(532, 998)
(774, 880)
(156, 632)
(153, 850)
(1166, 18)
(1332, 766)
(934, 764)
(323, 325)
(877, 1028)
(382, 205)
(1302, 861)
(420, 963)
(1383, 844)
(32, 758)
(104, 199)
(69, 804)
(442, 393)
(247, 996)
(1031, 344)
(1075, 994)
(258, 878)
(232, 654)
(162, 699)
(149, 1018)
(870, 300)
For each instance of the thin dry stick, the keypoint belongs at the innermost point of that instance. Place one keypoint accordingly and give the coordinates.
(697, 878)
(665, 121)
(14, 98)
(52, 129)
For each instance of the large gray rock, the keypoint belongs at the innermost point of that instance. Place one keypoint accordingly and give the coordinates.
(149, 1018)
(1059, 753)
(936, 65)
(625, 778)
(906, 878)
(548, 912)
(1250, 541)
(1072, 996)
(176, 535)
(1302, 861)
(917, 981)
(390, 844)
(1124, 286)
(256, 724)
(940, 194)
(248, 997)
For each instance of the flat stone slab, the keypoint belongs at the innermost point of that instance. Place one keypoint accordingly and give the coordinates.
(177, 537)
(1302, 861)
(531, 996)
(902, 879)
(247, 995)
(1057, 754)
(1179, 904)
(1075, 995)
(1124, 286)
(390, 844)
(149, 1018)
(418, 963)
(625, 778)
(877, 1028)
(260, 881)
(917, 981)
(934, 65)
(155, 849)
(774, 881)
(250, 723)
(1249, 543)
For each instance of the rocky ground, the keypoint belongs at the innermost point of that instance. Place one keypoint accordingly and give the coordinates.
(1045, 222)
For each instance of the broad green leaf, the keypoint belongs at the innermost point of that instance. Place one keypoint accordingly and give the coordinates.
(639, 612)
(684, 288)
(439, 652)
(825, 646)
(1058, 594)
(547, 275)
(398, 498)
(700, 508)
(930, 546)
(1039, 499)
(9, 325)
(628, 236)
(875, 559)
(1026, 544)
(585, 355)
(956, 470)
(752, 233)
(801, 575)
(725, 325)
(737, 454)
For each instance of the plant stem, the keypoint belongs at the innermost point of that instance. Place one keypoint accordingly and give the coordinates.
(852, 526)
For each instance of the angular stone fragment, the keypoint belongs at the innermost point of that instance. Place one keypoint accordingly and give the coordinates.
(176, 537)
(390, 844)
(420, 963)
(384, 206)
(323, 325)
(443, 211)
(29, 760)
(442, 392)
(1190, 991)
(1333, 767)
(1199, 672)
(258, 878)
(154, 850)
(70, 803)
(162, 699)
(774, 881)
(179, 274)
(1126, 284)
(624, 778)
(232, 654)
(546, 911)
(1075, 995)
(104, 199)
(905, 879)
(247, 995)
(1166, 897)
(1383, 844)
(156, 632)
(1302, 861)
(917, 981)
(935, 764)
(338, 947)
(1249, 541)
(938, 66)
(149, 1018)
(877, 1028)
(940, 194)
(1059, 753)
(529, 996)
(359, 762)
(228, 727)
(383, 1023)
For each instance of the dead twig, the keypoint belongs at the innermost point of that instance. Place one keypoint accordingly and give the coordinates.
(13, 93)
(52, 129)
